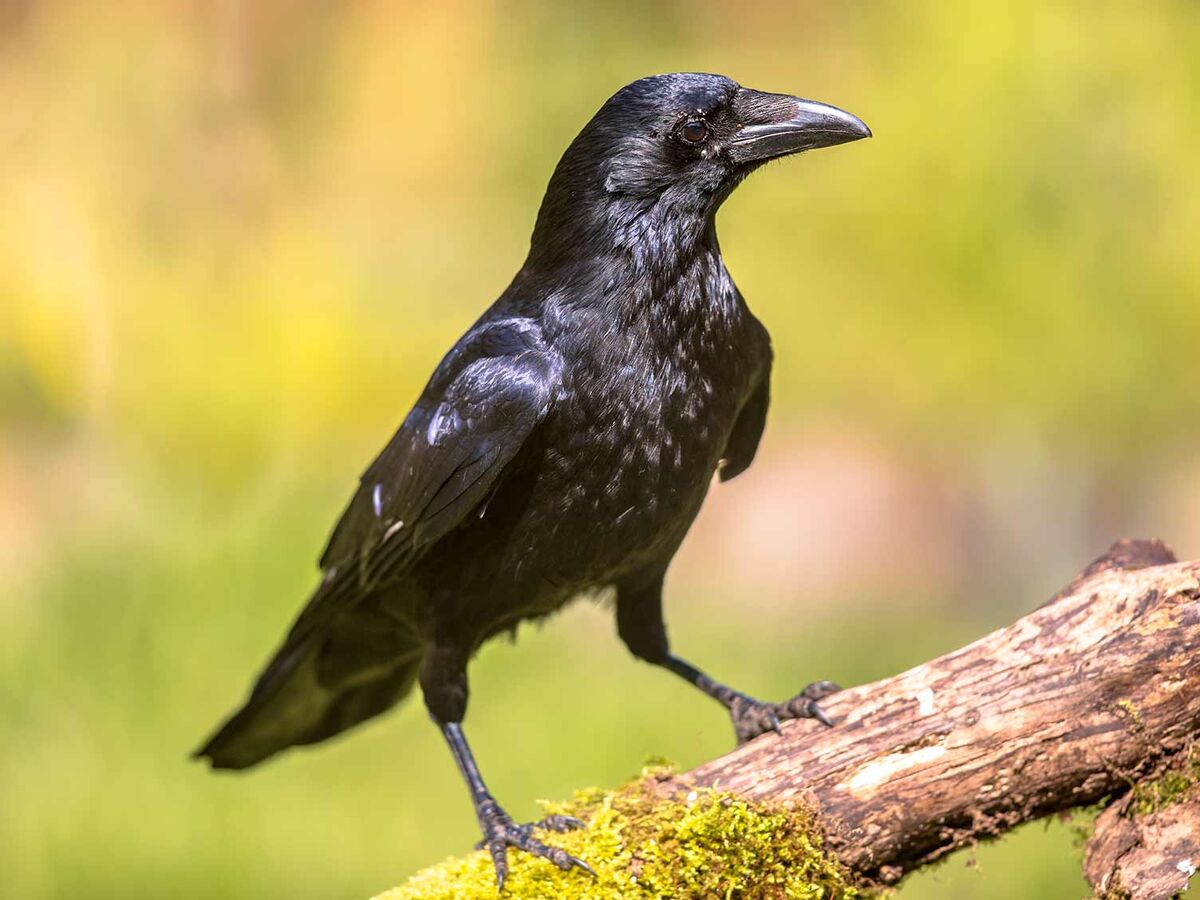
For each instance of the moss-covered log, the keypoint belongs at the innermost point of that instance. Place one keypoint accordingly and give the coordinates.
(650, 839)
(1092, 698)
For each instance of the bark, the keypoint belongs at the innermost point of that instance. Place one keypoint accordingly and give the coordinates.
(1150, 855)
(1077, 703)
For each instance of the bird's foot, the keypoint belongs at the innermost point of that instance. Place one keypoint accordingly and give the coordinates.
(557, 823)
(754, 717)
(550, 823)
(500, 832)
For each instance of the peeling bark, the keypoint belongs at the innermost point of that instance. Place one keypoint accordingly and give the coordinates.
(1069, 706)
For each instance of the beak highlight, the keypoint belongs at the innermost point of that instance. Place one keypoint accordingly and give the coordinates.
(777, 125)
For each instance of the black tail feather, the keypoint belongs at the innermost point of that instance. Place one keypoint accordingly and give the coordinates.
(314, 689)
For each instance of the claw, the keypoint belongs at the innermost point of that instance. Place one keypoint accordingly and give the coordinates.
(815, 711)
(582, 865)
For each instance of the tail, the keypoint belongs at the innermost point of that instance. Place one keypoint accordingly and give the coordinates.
(318, 685)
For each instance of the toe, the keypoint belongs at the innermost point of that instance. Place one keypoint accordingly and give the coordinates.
(819, 690)
(752, 718)
(499, 849)
(561, 858)
(559, 823)
(801, 707)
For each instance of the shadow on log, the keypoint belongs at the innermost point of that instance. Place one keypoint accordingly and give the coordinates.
(1094, 698)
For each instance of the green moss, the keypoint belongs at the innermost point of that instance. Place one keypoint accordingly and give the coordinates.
(1132, 712)
(642, 844)
(1173, 785)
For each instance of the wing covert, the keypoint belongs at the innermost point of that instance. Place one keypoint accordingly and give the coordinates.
(444, 460)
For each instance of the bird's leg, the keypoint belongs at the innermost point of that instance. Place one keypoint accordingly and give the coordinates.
(640, 624)
(753, 717)
(444, 683)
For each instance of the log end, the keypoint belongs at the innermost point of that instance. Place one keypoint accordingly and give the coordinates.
(1127, 553)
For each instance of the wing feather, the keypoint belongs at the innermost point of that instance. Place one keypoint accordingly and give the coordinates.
(444, 461)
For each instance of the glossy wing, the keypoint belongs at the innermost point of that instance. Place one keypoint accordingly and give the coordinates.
(441, 464)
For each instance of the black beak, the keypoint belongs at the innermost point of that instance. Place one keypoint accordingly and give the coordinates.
(775, 125)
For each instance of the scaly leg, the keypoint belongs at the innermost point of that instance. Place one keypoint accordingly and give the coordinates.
(444, 683)
(640, 624)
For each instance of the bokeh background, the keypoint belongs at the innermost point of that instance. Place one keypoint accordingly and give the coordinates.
(236, 237)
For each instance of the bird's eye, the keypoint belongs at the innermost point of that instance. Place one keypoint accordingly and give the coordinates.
(694, 131)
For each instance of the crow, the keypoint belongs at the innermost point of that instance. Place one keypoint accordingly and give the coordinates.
(562, 447)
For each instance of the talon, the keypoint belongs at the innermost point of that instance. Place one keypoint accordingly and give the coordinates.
(773, 721)
(815, 711)
(582, 865)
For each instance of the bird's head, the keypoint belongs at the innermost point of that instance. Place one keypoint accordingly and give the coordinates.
(677, 145)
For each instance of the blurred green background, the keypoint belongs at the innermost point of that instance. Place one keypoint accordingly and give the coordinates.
(238, 235)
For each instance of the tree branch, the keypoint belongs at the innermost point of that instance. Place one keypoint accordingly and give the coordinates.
(1094, 692)
(1092, 698)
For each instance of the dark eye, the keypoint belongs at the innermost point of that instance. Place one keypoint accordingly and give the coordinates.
(694, 131)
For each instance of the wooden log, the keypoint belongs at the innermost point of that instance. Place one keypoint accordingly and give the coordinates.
(1092, 693)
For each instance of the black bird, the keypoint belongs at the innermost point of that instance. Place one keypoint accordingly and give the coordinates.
(563, 445)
